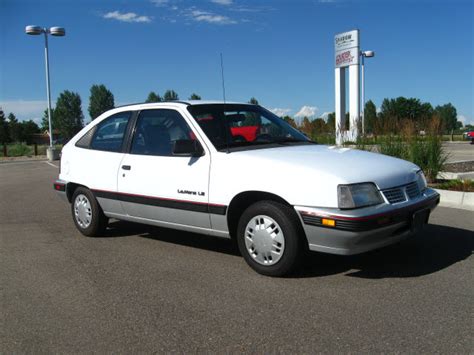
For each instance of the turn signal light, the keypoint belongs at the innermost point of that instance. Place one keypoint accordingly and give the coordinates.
(328, 222)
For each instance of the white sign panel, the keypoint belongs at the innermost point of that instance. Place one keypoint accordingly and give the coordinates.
(346, 46)
(347, 57)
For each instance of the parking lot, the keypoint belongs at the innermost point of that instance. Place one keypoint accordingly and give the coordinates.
(144, 289)
(459, 151)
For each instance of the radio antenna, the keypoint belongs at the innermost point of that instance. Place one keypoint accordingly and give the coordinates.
(222, 75)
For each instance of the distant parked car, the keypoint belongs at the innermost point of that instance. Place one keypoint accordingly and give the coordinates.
(469, 135)
(238, 171)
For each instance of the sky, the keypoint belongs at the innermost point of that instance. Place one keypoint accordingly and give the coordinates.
(281, 52)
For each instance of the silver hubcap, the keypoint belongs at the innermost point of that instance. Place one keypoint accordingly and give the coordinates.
(264, 240)
(82, 211)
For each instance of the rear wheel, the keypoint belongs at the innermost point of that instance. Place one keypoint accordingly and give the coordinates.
(269, 238)
(87, 214)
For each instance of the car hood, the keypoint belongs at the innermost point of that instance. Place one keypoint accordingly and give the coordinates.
(340, 165)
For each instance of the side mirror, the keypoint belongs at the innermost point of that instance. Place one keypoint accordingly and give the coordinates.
(188, 147)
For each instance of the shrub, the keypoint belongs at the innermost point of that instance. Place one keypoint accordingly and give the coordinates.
(18, 150)
(457, 185)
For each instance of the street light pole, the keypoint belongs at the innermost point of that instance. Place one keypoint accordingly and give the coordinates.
(54, 31)
(363, 54)
(362, 109)
(48, 90)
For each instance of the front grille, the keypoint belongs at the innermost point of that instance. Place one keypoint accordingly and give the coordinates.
(395, 195)
(402, 193)
(413, 191)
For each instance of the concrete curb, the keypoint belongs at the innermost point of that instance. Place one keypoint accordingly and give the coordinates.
(456, 199)
(446, 175)
(22, 159)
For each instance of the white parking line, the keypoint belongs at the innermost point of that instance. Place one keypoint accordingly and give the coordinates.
(10, 163)
(47, 162)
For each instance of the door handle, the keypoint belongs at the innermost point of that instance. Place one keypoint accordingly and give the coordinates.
(126, 167)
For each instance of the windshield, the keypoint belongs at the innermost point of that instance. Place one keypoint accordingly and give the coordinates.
(230, 126)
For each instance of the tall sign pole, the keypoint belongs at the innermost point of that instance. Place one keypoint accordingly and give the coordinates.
(347, 54)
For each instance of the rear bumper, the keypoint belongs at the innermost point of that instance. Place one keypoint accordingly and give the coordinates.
(60, 186)
(361, 230)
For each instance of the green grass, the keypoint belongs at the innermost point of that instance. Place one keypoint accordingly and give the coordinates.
(456, 137)
(24, 150)
(456, 185)
(329, 139)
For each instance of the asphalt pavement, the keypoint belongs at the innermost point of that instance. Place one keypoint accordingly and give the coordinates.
(147, 289)
(459, 151)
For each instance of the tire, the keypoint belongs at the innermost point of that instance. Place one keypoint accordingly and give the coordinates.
(270, 238)
(87, 214)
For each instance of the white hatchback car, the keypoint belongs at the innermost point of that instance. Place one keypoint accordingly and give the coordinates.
(238, 171)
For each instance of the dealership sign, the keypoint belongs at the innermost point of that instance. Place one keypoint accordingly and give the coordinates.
(346, 47)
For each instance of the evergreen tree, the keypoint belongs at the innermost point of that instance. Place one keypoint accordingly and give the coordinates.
(4, 132)
(195, 97)
(153, 97)
(170, 95)
(68, 114)
(100, 101)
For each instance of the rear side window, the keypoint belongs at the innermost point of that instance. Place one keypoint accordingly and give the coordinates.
(157, 130)
(110, 133)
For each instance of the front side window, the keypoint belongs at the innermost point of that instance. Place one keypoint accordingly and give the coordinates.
(230, 126)
(110, 133)
(157, 131)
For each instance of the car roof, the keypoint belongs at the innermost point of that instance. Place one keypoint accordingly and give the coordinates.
(179, 102)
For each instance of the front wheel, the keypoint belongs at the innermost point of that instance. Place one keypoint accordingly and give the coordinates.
(270, 238)
(87, 214)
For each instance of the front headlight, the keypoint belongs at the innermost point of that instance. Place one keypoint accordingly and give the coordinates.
(421, 180)
(358, 195)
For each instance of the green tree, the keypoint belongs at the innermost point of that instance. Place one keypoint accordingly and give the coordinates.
(306, 126)
(170, 95)
(370, 116)
(290, 120)
(449, 117)
(393, 111)
(28, 128)
(153, 97)
(4, 132)
(45, 120)
(195, 97)
(331, 122)
(14, 128)
(101, 100)
(68, 115)
(318, 126)
(253, 101)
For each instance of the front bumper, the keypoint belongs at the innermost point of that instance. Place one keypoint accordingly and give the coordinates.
(360, 230)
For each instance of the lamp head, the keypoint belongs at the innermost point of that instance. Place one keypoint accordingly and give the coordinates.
(57, 31)
(33, 30)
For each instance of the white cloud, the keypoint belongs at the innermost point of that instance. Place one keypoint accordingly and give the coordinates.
(307, 111)
(209, 17)
(127, 17)
(280, 111)
(222, 2)
(25, 110)
(465, 120)
(325, 115)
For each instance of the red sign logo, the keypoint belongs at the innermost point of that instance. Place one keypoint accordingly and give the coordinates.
(344, 58)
